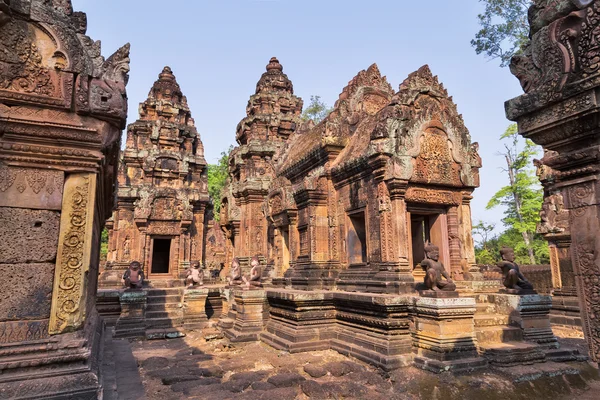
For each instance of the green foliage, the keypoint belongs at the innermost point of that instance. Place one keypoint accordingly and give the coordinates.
(316, 110)
(504, 29)
(490, 253)
(522, 199)
(217, 178)
(103, 244)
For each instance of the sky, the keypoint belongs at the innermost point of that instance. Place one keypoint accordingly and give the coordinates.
(218, 50)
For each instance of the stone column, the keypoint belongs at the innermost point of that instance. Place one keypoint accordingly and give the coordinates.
(469, 265)
(194, 312)
(398, 271)
(444, 334)
(250, 317)
(132, 321)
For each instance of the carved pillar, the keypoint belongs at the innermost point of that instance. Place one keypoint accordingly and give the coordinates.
(468, 263)
(455, 267)
(74, 254)
(400, 223)
(584, 206)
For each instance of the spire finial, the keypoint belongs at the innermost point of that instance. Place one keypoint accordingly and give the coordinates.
(274, 64)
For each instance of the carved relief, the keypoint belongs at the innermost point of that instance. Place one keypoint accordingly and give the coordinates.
(420, 195)
(553, 215)
(74, 251)
(434, 163)
(21, 65)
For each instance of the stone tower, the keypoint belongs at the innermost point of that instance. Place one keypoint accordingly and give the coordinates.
(273, 114)
(162, 195)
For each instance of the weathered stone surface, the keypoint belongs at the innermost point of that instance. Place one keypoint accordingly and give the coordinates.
(286, 379)
(31, 188)
(262, 386)
(153, 363)
(36, 239)
(314, 390)
(316, 371)
(24, 302)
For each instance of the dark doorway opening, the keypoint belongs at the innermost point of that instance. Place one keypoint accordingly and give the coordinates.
(161, 254)
(420, 232)
(357, 239)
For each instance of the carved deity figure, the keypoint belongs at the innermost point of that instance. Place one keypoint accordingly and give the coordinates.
(133, 278)
(126, 248)
(195, 275)
(255, 274)
(513, 278)
(436, 277)
(235, 275)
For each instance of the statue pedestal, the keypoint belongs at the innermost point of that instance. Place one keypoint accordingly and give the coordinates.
(531, 313)
(251, 314)
(194, 311)
(227, 310)
(444, 334)
(132, 321)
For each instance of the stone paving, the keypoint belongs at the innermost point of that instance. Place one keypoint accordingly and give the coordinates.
(196, 368)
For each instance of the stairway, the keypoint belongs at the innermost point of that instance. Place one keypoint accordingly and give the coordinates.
(499, 342)
(491, 326)
(164, 313)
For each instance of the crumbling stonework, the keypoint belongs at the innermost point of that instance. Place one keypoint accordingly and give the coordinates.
(560, 75)
(62, 109)
(163, 193)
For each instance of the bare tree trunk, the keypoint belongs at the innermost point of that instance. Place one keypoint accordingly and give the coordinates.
(526, 239)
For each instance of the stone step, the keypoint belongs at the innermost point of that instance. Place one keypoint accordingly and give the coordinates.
(176, 313)
(498, 334)
(152, 307)
(162, 323)
(482, 320)
(486, 308)
(164, 291)
(164, 333)
(512, 353)
(161, 298)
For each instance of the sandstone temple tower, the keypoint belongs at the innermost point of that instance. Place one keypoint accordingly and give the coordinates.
(162, 194)
(62, 110)
(273, 114)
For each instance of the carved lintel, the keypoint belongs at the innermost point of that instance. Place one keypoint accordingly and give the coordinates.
(74, 254)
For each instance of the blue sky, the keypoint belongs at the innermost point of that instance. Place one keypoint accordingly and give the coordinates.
(218, 50)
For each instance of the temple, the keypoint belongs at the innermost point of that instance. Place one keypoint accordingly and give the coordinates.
(353, 234)
(357, 197)
(162, 195)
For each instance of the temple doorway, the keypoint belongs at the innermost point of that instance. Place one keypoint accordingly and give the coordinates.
(161, 255)
(357, 238)
(428, 225)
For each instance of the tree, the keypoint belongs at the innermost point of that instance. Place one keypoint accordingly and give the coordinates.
(504, 29)
(316, 110)
(103, 244)
(522, 197)
(485, 249)
(217, 178)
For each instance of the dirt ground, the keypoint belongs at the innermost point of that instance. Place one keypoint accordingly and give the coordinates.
(203, 365)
